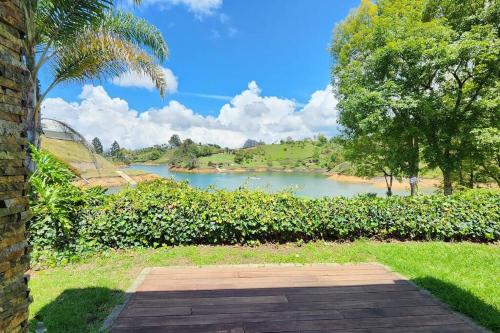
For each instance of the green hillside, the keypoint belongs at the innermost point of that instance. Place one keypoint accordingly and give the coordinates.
(299, 155)
(78, 158)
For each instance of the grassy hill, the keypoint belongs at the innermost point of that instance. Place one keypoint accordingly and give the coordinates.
(300, 155)
(76, 156)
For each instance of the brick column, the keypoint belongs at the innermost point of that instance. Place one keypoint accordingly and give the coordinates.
(14, 211)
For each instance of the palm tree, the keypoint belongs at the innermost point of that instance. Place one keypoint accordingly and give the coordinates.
(82, 40)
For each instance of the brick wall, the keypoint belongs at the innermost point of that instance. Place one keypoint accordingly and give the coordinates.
(14, 258)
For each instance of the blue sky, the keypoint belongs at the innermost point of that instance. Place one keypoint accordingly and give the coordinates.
(217, 47)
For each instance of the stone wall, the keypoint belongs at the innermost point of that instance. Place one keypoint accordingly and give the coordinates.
(14, 253)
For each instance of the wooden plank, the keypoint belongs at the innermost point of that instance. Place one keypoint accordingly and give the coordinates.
(344, 304)
(236, 285)
(227, 318)
(352, 296)
(394, 311)
(456, 328)
(312, 325)
(275, 291)
(217, 328)
(177, 302)
(269, 268)
(309, 272)
(200, 275)
(137, 311)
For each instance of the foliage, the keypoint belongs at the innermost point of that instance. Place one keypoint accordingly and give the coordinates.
(114, 150)
(299, 154)
(86, 40)
(56, 205)
(422, 85)
(96, 143)
(175, 141)
(187, 154)
(165, 212)
(486, 142)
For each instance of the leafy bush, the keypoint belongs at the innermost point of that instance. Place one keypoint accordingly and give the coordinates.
(165, 212)
(56, 205)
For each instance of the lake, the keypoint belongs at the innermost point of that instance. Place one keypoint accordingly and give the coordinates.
(303, 184)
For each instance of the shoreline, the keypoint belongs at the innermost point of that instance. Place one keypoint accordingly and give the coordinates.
(379, 182)
(242, 170)
(114, 181)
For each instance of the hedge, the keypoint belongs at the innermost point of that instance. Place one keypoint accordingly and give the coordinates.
(165, 212)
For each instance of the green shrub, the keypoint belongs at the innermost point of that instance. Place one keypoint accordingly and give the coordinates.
(165, 212)
(57, 205)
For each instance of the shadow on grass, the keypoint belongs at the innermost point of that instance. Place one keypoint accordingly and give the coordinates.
(462, 301)
(78, 310)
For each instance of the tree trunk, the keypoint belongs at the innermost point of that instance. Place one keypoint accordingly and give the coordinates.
(33, 126)
(413, 185)
(414, 166)
(447, 186)
(388, 182)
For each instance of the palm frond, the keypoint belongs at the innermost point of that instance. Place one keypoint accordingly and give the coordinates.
(138, 31)
(101, 55)
(61, 20)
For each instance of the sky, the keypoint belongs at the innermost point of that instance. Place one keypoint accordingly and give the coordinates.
(237, 70)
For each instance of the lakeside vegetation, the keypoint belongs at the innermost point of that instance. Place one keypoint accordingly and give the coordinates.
(77, 298)
(69, 222)
(415, 98)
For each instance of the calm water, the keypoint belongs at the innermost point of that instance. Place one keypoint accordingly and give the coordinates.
(302, 184)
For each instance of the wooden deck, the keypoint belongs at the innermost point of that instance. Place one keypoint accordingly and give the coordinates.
(292, 299)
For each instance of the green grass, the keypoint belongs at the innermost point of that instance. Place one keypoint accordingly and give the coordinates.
(78, 157)
(276, 156)
(77, 297)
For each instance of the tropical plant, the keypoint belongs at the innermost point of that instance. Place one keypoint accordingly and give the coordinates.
(55, 202)
(85, 40)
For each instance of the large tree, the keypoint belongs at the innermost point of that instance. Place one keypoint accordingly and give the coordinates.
(84, 40)
(426, 72)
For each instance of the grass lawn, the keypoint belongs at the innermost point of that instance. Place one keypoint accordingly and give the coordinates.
(77, 297)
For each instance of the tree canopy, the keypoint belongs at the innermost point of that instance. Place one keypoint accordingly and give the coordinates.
(419, 77)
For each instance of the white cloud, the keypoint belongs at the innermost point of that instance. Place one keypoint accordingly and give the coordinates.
(247, 115)
(140, 80)
(200, 8)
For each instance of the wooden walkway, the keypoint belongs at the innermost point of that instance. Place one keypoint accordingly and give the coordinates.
(292, 299)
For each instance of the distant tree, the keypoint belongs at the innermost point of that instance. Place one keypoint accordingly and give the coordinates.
(175, 141)
(289, 139)
(115, 149)
(188, 142)
(316, 155)
(322, 139)
(155, 155)
(238, 158)
(97, 145)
